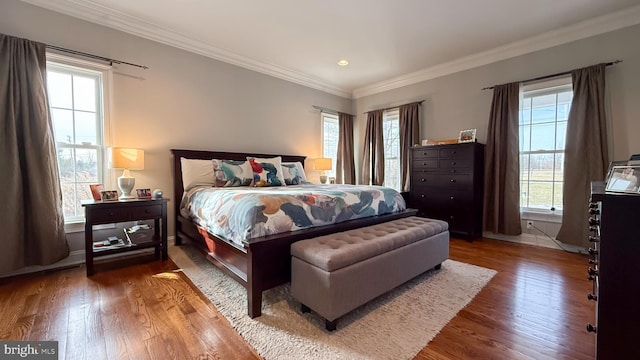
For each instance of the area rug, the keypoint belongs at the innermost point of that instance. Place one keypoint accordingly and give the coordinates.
(394, 326)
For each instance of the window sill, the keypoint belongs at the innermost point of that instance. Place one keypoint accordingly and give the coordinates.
(73, 227)
(76, 227)
(542, 215)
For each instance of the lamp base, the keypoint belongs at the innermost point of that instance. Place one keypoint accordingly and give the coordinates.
(323, 179)
(126, 184)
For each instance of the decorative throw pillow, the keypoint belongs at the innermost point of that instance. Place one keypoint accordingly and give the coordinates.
(196, 172)
(236, 173)
(267, 172)
(293, 173)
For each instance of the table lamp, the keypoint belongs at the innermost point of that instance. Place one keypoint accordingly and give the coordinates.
(323, 164)
(126, 159)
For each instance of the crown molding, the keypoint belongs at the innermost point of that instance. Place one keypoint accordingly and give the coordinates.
(581, 30)
(95, 13)
(102, 15)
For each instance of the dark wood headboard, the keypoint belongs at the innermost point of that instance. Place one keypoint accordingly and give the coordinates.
(206, 155)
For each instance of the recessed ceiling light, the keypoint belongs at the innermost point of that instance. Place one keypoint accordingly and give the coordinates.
(343, 62)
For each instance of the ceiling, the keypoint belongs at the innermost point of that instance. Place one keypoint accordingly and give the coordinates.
(389, 43)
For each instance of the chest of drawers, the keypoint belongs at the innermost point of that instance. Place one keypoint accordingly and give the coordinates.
(447, 184)
(614, 257)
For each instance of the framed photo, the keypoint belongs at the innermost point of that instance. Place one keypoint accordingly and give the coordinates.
(624, 179)
(95, 191)
(332, 180)
(467, 136)
(143, 193)
(611, 166)
(109, 195)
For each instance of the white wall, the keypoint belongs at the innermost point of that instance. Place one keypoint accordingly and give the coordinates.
(456, 102)
(184, 100)
(192, 102)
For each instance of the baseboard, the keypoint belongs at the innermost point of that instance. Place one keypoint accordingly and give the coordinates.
(535, 240)
(75, 258)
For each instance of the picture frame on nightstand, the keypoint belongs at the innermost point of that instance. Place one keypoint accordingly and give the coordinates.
(143, 193)
(95, 191)
(109, 195)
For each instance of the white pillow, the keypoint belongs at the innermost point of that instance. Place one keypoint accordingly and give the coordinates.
(196, 172)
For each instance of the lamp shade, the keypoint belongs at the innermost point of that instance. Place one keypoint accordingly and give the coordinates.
(323, 164)
(127, 158)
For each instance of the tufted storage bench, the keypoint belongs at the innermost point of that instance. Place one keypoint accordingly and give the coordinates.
(336, 273)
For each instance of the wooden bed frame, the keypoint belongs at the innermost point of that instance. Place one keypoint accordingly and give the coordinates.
(261, 263)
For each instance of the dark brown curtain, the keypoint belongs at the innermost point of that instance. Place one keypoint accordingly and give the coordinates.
(586, 156)
(345, 167)
(31, 217)
(502, 159)
(373, 162)
(409, 135)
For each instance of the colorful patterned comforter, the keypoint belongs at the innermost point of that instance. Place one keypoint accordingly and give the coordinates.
(239, 214)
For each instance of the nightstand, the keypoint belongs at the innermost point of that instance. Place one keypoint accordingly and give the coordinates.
(111, 212)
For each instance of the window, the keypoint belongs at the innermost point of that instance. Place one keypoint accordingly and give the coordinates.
(391, 138)
(76, 99)
(330, 135)
(543, 126)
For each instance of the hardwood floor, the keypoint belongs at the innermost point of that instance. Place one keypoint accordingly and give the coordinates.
(535, 307)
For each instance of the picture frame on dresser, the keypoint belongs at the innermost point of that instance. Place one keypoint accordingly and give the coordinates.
(624, 179)
(468, 135)
(612, 165)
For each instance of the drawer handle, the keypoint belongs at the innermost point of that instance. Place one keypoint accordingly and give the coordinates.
(423, 179)
(451, 217)
(146, 211)
(425, 164)
(451, 197)
(422, 195)
(453, 180)
(111, 213)
(453, 163)
(454, 171)
(454, 152)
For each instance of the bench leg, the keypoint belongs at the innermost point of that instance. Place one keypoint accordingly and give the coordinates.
(304, 308)
(330, 325)
(438, 267)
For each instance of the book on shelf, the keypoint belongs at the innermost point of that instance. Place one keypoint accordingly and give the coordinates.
(112, 242)
(139, 234)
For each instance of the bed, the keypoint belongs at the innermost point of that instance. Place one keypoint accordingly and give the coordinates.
(258, 260)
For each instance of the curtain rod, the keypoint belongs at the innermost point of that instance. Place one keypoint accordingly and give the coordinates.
(112, 61)
(331, 111)
(553, 75)
(395, 107)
